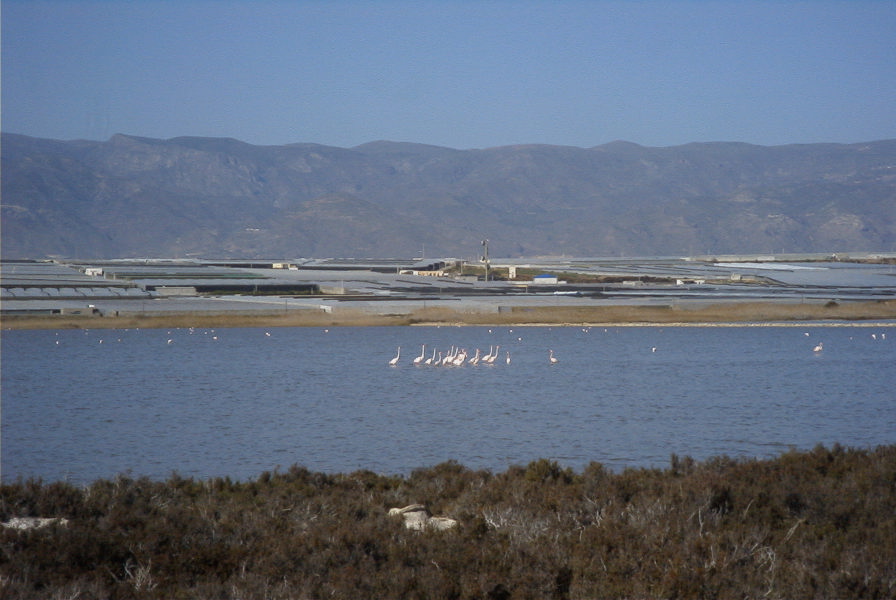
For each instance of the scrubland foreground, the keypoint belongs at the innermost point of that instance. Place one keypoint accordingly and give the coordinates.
(816, 524)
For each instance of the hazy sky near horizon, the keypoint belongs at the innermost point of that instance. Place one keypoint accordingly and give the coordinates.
(462, 74)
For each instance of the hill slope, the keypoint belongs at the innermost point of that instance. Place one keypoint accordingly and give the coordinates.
(213, 197)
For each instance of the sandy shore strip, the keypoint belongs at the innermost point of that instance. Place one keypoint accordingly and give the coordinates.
(875, 313)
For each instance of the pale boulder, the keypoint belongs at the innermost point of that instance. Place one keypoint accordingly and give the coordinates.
(24, 523)
(418, 518)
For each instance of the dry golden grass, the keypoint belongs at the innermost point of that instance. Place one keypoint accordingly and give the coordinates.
(732, 312)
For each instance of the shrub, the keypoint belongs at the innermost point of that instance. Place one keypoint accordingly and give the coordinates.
(806, 524)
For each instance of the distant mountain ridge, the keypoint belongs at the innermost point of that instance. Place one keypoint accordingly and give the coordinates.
(218, 197)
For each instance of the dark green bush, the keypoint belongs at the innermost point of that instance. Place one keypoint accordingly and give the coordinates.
(817, 524)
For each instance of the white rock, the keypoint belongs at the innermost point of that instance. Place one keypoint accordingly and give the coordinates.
(418, 518)
(24, 523)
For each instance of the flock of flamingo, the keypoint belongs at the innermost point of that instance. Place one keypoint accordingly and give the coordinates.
(457, 357)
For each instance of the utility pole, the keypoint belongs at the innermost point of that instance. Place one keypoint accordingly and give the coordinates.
(485, 257)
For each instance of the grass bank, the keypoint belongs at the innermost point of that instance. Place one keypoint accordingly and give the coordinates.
(816, 524)
(733, 312)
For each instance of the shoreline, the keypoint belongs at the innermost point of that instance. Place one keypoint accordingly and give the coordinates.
(720, 314)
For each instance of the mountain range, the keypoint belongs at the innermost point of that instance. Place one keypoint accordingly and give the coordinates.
(217, 198)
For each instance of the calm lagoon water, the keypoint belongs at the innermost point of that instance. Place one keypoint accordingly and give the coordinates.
(84, 405)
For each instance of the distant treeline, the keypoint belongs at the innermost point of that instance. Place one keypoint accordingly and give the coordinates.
(816, 524)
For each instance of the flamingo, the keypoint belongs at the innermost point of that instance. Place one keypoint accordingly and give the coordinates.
(420, 358)
(449, 360)
(448, 356)
(494, 355)
(475, 359)
(394, 361)
(818, 348)
(508, 358)
(454, 362)
(429, 360)
(553, 359)
(460, 358)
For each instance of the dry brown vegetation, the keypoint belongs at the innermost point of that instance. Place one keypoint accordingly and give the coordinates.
(816, 524)
(702, 313)
(303, 318)
(734, 312)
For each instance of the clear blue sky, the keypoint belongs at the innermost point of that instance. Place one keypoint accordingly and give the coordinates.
(463, 74)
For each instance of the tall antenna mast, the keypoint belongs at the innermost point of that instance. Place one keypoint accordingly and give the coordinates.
(485, 257)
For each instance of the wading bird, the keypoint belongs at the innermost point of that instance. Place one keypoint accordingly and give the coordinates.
(420, 358)
(475, 359)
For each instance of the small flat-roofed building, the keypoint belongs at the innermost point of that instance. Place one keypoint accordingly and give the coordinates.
(434, 273)
(545, 279)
